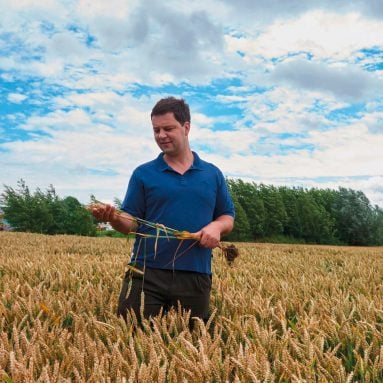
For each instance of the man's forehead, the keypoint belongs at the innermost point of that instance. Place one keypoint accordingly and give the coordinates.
(161, 119)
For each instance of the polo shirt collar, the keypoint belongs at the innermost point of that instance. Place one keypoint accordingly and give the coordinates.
(162, 165)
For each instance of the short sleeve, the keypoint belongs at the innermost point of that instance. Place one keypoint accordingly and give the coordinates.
(224, 202)
(134, 201)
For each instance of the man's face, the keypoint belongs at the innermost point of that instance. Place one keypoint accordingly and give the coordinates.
(170, 135)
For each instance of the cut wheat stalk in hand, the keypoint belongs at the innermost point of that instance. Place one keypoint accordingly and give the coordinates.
(230, 252)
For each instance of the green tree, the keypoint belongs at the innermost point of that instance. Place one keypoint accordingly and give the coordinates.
(293, 223)
(45, 213)
(317, 224)
(24, 211)
(249, 198)
(377, 229)
(275, 217)
(76, 219)
(241, 231)
(317, 215)
(354, 217)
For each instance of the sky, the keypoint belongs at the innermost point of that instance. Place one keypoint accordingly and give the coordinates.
(281, 92)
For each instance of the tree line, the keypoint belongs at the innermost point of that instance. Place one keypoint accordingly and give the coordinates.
(45, 212)
(295, 214)
(263, 213)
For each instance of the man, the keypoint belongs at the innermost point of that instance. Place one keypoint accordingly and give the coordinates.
(180, 191)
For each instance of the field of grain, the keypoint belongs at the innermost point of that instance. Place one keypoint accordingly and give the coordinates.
(282, 313)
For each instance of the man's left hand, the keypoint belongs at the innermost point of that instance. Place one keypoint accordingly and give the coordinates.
(209, 235)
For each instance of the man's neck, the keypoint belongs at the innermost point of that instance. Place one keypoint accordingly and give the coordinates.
(180, 163)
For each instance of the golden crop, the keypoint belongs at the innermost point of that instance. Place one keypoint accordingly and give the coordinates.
(280, 313)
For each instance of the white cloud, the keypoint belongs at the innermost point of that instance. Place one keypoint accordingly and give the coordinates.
(325, 35)
(71, 158)
(297, 63)
(68, 46)
(16, 98)
(58, 121)
(118, 9)
(226, 142)
(347, 82)
(90, 99)
(202, 120)
(344, 152)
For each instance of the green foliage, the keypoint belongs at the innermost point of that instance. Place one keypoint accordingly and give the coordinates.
(377, 226)
(242, 226)
(247, 195)
(354, 216)
(326, 216)
(263, 213)
(77, 220)
(45, 213)
(276, 216)
(112, 233)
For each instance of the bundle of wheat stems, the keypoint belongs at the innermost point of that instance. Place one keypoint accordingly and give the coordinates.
(229, 252)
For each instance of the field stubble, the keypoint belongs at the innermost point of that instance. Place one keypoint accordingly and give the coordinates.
(281, 313)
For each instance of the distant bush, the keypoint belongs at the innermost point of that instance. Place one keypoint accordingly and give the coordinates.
(44, 212)
(111, 233)
(266, 213)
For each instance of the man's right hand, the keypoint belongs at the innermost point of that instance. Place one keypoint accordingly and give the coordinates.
(104, 212)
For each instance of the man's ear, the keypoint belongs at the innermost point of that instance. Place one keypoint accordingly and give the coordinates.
(187, 127)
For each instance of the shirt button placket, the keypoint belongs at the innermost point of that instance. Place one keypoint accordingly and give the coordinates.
(183, 181)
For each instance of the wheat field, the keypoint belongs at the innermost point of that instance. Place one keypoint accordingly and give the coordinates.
(281, 313)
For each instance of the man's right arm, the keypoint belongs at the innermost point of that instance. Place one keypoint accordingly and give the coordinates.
(122, 222)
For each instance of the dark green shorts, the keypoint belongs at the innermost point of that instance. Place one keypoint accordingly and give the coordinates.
(165, 289)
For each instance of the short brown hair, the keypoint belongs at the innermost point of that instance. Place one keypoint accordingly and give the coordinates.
(178, 107)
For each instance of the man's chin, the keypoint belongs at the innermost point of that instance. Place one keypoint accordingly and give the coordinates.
(169, 153)
(167, 150)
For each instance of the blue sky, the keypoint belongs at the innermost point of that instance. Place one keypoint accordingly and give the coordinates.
(281, 92)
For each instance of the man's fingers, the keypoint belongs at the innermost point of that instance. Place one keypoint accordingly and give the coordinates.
(208, 241)
(108, 213)
(103, 213)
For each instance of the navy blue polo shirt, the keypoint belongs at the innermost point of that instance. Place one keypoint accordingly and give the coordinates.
(189, 202)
